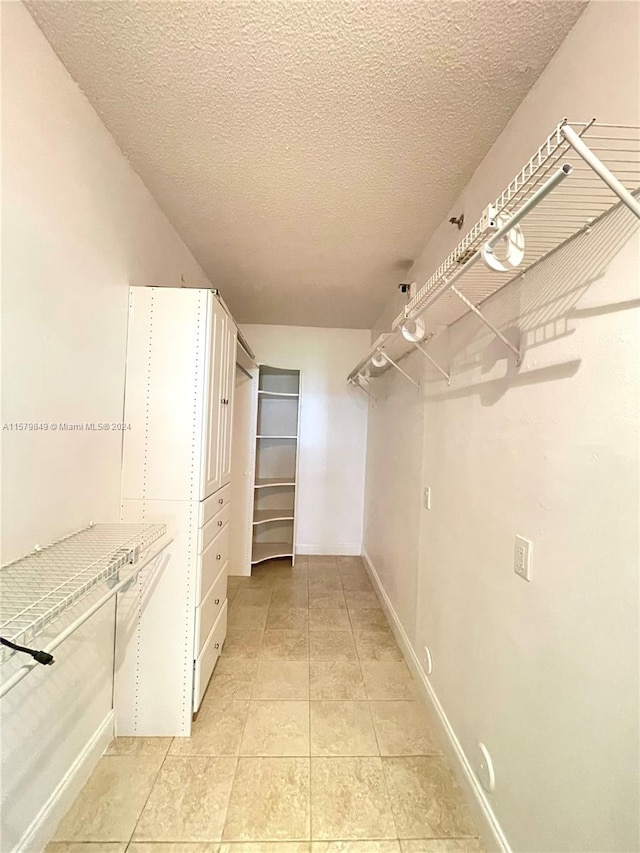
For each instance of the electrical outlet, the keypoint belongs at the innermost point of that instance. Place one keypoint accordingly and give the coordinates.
(428, 661)
(522, 557)
(485, 770)
(426, 498)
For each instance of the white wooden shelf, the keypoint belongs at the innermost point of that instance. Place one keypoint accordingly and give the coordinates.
(270, 551)
(294, 437)
(262, 516)
(40, 587)
(580, 172)
(277, 428)
(268, 482)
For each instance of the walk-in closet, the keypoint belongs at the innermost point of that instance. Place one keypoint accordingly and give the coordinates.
(320, 426)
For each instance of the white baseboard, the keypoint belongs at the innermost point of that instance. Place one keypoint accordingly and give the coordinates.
(44, 826)
(343, 549)
(493, 837)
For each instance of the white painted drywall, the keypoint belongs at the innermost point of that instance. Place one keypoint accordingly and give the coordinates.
(333, 431)
(78, 227)
(546, 673)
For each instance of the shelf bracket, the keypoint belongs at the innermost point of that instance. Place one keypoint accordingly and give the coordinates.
(430, 358)
(398, 368)
(359, 385)
(600, 169)
(487, 323)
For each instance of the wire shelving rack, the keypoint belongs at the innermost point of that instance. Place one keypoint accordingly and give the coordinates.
(37, 589)
(580, 173)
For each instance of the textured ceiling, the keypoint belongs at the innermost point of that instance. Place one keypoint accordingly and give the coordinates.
(305, 151)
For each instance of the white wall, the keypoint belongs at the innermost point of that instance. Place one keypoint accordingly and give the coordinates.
(545, 674)
(78, 227)
(333, 431)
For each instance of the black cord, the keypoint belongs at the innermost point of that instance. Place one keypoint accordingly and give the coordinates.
(42, 657)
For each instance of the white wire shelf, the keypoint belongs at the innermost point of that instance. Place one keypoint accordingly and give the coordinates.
(38, 588)
(580, 173)
(573, 205)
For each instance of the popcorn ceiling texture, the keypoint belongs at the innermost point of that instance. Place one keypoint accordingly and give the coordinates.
(306, 151)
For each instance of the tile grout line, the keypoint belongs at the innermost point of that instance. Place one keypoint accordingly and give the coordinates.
(381, 763)
(226, 811)
(153, 785)
(368, 700)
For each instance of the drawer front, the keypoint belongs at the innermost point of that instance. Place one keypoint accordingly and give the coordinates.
(207, 612)
(213, 527)
(212, 560)
(213, 504)
(208, 657)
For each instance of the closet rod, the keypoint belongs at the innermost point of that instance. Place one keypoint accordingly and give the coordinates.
(532, 202)
(600, 169)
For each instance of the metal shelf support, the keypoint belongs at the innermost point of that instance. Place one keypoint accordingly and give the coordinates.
(398, 368)
(430, 358)
(487, 323)
(358, 384)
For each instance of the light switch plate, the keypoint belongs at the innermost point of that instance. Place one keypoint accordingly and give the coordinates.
(522, 557)
(426, 497)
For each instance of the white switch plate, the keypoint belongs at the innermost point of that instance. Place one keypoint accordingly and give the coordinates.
(522, 557)
(426, 500)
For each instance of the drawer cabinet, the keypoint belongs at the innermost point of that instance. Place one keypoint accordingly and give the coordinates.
(213, 504)
(208, 609)
(181, 354)
(208, 657)
(212, 560)
(213, 527)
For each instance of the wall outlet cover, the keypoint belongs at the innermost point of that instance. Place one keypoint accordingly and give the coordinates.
(484, 764)
(523, 557)
(428, 661)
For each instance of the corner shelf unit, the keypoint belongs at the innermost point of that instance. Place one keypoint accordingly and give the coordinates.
(276, 473)
(580, 173)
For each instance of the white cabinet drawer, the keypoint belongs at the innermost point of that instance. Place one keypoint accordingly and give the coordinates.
(207, 611)
(208, 657)
(213, 527)
(212, 560)
(213, 504)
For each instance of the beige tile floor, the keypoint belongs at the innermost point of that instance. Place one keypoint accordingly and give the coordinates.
(310, 739)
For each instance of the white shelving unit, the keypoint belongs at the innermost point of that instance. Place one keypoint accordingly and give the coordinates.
(180, 386)
(276, 464)
(243, 453)
(580, 172)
